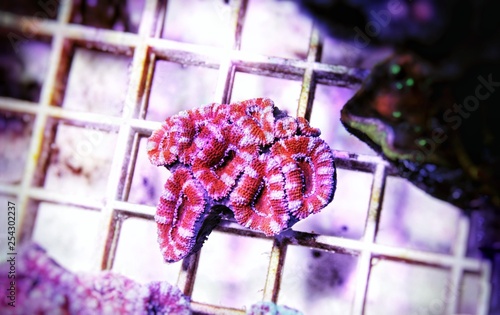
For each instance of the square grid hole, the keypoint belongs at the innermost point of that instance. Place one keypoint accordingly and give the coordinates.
(176, 87)
(96, 82)
(23, 65)
(15, 135)
(79, 157)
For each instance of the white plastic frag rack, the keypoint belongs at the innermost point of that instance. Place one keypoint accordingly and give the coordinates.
(146, 46)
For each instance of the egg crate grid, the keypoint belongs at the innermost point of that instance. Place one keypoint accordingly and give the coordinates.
(145, 48)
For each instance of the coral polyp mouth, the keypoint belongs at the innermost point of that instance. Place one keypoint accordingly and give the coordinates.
(307, 171)
(269, 169)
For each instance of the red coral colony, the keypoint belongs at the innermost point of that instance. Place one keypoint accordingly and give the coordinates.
(269, 169)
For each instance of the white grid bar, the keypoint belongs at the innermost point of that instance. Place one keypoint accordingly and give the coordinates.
(122, 151)
(40, 121)
(274, 271)
(308, 84)
(364, 262)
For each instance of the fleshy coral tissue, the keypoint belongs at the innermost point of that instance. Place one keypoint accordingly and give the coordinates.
(268, 169)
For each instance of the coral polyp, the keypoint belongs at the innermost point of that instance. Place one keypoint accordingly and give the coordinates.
(269, 169)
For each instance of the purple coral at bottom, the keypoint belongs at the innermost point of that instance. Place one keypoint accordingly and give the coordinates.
(270, 308)
(42, 286)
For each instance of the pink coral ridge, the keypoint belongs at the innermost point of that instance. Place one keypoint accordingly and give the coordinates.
(268, 168)
(43, 287)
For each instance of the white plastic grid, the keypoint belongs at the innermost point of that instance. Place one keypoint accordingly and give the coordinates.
(146, 47)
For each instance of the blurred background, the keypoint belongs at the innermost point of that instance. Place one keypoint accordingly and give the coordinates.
(84, 83)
